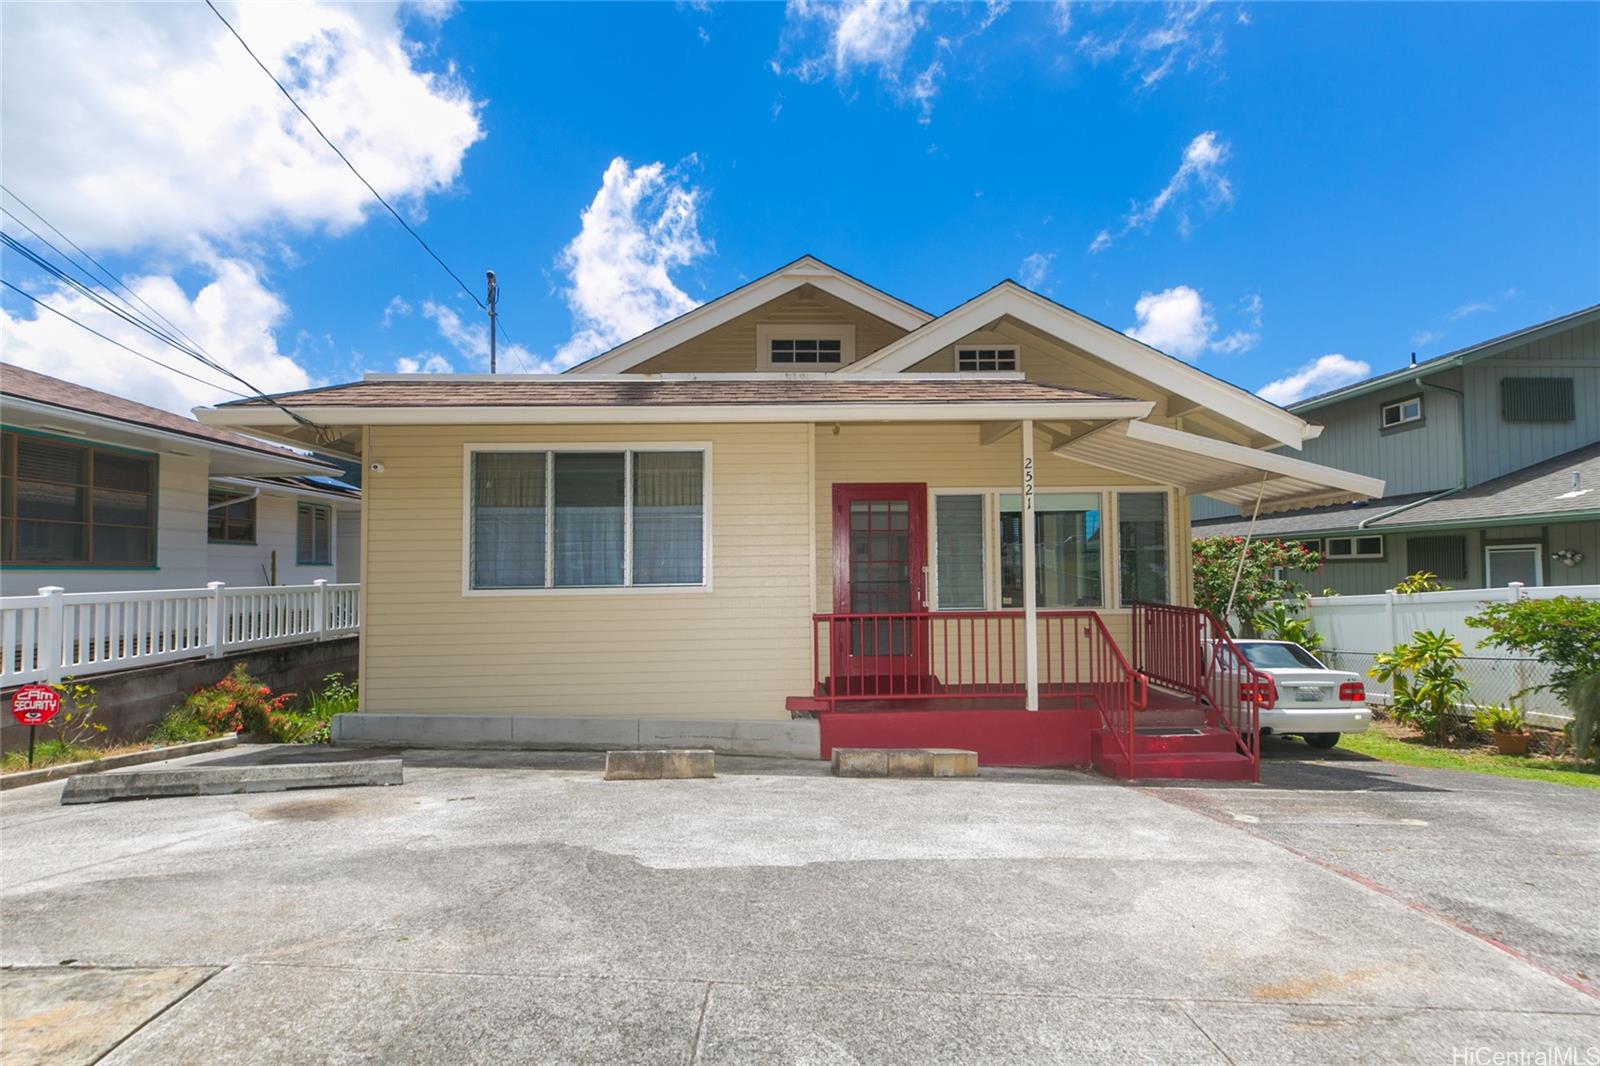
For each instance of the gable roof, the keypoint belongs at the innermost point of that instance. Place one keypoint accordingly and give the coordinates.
(1460, 357)
(32, 387)
(1009, 299)
(807, 270)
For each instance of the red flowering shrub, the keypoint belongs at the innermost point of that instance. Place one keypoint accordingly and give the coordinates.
(237, 704)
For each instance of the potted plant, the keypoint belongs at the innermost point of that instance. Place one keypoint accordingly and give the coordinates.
(1505, 723)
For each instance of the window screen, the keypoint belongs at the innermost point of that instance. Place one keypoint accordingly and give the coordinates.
(1536, 400)
(314, 535)
(959, 552)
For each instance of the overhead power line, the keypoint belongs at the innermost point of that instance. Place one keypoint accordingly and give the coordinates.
(119, 344)
(346, 160)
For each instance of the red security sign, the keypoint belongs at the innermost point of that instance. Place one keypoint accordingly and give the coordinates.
(35, 704)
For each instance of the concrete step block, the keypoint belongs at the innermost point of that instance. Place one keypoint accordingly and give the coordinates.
(656, 764)
(904, 762)
(228, 780)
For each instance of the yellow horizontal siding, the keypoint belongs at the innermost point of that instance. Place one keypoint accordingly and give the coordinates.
(735, 651)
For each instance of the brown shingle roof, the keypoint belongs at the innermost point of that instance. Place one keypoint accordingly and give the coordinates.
(579, 392)
(41, 388)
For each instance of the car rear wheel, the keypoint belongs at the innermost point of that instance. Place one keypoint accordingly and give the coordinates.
(1322, 740)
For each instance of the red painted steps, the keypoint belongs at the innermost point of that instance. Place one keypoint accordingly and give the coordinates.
(1173, 753)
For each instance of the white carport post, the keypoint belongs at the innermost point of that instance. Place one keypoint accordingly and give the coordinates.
(1030, 595)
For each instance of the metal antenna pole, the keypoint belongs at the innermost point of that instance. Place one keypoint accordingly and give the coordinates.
(494, 296)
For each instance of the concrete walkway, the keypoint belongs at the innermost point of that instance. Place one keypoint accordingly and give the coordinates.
(515, 906)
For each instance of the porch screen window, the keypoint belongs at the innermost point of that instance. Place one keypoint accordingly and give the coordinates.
(958, 553)
(75, 505)
(1142, 545)
(1067, 541)
(314, 535)
(508, 527)
(669, 521)
(572, 520)
(230, 523)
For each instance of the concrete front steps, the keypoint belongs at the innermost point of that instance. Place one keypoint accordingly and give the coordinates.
(1173, 752)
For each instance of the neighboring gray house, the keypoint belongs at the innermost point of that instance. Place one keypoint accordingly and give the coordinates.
(1491, 455)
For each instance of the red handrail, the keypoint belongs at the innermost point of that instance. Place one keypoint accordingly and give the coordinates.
(900, 657)
(1190, 650)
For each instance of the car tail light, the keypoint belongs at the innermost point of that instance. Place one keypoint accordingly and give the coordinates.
(1353, 692)
(1262, 692)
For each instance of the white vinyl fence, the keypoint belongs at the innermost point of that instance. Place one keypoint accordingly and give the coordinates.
(1355, 629)
(58, 634)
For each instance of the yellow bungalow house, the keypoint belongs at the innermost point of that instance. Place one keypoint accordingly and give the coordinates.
(797, 518)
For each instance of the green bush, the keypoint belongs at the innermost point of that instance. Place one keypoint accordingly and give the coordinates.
(1281, 621)
(1422, 581)
(1426, 678)
(236, 704)
(1217, 562)
(1499, 718)
(1563, 632)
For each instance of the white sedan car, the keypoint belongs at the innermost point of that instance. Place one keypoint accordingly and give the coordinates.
(1313, 702)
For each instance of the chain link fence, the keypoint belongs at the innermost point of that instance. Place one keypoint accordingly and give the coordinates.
(1489, 679)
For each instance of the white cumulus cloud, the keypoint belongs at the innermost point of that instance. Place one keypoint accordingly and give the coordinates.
(470, 339)
(1320, 375)
(234, 317)
(132, 124)
(642, 223)
(1035, 269)
(1178, 321)
(1199, 181)
(427, 363)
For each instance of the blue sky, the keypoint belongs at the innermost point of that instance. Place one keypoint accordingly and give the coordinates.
(1279, 193)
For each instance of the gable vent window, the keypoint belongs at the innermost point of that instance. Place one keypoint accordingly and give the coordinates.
(793, 351)
(1402, 412)
(976, 360)
(1537, 400)
(1443, 556)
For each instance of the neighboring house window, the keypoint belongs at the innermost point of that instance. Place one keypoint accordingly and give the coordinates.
(1505, 563)
(1067, 547)
(230, 523)
(959, 551)
(805, 347)
(1142, 547)
(1340, 549)
(314, 535)
(600, 519)
(1444, 556)
(64, 504)
(1537, 400)
(1402, 412)
(971, 360)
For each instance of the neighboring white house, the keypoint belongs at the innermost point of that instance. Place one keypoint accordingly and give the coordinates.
(99, 493)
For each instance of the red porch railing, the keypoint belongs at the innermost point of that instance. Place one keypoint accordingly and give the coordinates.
(904, 659)
(1189, 650)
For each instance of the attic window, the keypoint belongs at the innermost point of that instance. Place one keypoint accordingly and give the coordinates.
(978, 360)
(1402, 412)
(805, 347)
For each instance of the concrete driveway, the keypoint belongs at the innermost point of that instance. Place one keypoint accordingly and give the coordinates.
(514, 906)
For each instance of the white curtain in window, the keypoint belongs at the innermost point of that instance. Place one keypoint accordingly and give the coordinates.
(668, 518)
(589, 519)
(508, 493)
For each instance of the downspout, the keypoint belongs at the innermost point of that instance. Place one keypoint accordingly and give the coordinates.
(1461, 435)
(233, 500)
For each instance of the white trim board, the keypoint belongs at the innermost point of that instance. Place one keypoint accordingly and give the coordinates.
(1008, 299)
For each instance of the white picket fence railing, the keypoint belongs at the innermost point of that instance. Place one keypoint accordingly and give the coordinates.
(57, 634)
(1355, 628)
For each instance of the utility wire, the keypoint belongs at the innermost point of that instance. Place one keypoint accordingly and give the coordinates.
(119, 344)
(131, 316)
(116, 281)
(345, 159)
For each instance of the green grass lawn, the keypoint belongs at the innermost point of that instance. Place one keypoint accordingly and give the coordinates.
(1412, 752)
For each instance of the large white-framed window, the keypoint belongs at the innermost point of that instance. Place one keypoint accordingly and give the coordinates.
(586, 518)
(982, 358)
(805, 346)
(1401, 412)
(1349, 549)
(1095, 547)
(1505, 563)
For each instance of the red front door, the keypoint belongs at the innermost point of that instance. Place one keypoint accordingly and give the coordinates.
(880, 556)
